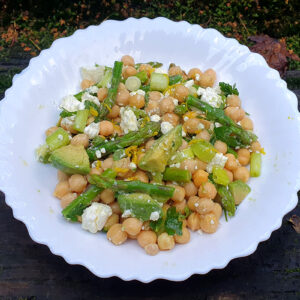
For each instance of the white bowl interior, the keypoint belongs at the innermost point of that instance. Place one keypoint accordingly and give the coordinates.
(31, 106)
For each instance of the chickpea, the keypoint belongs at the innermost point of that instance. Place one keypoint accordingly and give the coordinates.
(201, 165)
(51, 130)
(85, 83)
(67, 199)
(151, 249)
(121, 87)
(184, 145)
(190, 189)
(155, 96)
(166, 105)
(171, 118)
(115, 207)
(106, 128)
(235, 113)
(193, 203)
(146, 225)
(80, 139)
(61, 176)
(243, 156)
(149, 143)
(112, 220)
(200, 177)
(217, 210)
(142, 176)
(77, 183)
(179, 193)
(96, 171)
(102, 94)
(137, 101)
(233, 100)
(165, 207)
(221, 146)
(132, 237)
(122, 98)
(61, 189)
(140, 156)
(203, 135)
(107, 196)
(184, 223)
(247, 123)
(195, 74)
(209, 223)
(114, 113)
(123, 164)
(192, 126)
(165, 241)
(152, 108)
(208, 78)
(230, 175)
(90, 120)
(128, 71)
(116, 235)
(132, 226)
(175, 70)
(147, 68)
(127, 60)
(190, 165)
(241, 173)
(184, 238)
(207, 190)
(193, 221)
(205, 206)
(180, 206)
(205, 123)
(231, 163)
(255, 146)
(107, 163)
(146, 237)
(181, 92)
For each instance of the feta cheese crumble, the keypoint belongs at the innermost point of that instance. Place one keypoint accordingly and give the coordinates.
(155, 118)
(92, 130)
(126, 213)
(98, 153)
(160, 71)
(132, 166)
(218, 160)
(197, 77)
(95, 73)
(154, 216)
(71, 104)
(128, 120)
(166, 127)
(92, 89)
(138, 92)
(88, 97)
(95, 216)
(189, 83)
(210, 96)
(175, 101)
(68, 121)
(60, 137)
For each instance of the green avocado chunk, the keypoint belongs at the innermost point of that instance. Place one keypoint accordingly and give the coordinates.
(140, 206)
(71, 159)
(239, 190)
(157, 157)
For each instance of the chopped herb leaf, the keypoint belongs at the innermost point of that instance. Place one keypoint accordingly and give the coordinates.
(227, 89)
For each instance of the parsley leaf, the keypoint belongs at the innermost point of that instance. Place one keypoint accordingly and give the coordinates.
(66, 113)
(88, 105)
(227, 89)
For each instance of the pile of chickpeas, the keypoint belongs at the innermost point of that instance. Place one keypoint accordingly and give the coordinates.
(199, 195)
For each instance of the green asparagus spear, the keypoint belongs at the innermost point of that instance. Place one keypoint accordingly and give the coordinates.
(181, 109)
(129, 139)
(175, 79)
(76, 207)
(109, 101)
(153, 64)
(176, 174)
(227, 200)
(218, 115)
(159, 192)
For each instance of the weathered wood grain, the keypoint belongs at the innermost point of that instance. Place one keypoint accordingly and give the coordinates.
(30, 271)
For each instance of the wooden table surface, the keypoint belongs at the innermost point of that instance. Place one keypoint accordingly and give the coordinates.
(30, 271)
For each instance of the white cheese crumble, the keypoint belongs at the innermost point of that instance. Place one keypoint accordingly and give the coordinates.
(60, 137)
(95, 73)
(95, 216)
(138, 92)
(154, 216)
(71, 104)
(126, 213)
(166, 127)
(185, 118)
(103, 150)
(210, 96)
(92, 89)
(128, 120)
(88, 97)
(98, 153)
(132, 166)
(218, 160)
(201, 126)
(183, 133)
(197, 77)
(108, 85)
(218, 125)
(189, 83)
(160, 71)
(175, 165)
(175, 101)
(92, 130)
(94, 164)
(155, 118)
(68, 121)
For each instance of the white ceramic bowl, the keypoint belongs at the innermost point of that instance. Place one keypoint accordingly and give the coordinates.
(31, 105)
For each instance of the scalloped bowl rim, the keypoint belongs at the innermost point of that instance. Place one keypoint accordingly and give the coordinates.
(33, 232)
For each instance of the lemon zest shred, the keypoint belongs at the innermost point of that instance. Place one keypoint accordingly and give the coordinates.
(121, 170)
(109, 109)
(262, 151)
(93, 112)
